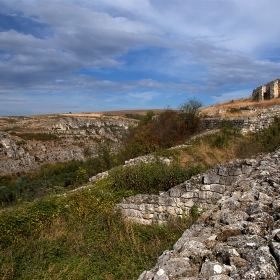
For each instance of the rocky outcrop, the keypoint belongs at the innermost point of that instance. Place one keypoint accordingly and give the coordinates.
(238, 236)
(75, 138)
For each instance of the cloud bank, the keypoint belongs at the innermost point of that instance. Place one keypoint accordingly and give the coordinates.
(58, 56)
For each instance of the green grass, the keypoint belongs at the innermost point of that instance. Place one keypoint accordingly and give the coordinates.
(153, 177)
(79, 237)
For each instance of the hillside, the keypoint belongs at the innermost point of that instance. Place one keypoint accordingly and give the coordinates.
(52, 230)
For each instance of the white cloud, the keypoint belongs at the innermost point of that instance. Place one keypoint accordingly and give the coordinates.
(142, 50)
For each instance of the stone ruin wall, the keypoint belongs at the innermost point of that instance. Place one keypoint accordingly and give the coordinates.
(238, 235)
(261, 120)
(268, 91)
(203, 190)
(238, 238)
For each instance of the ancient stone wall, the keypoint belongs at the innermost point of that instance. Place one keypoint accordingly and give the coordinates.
(237, 238)
(267, 91)
(261, 119)
(203, 190)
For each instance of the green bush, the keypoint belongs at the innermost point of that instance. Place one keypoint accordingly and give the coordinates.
(220, 141)
(194, 212)
(190, 111)
(264, 141)
(6, 195)
(151, 177)
(227, 133)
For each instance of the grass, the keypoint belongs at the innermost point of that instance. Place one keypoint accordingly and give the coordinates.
(79, 237)
(233, 107)
(228, 145)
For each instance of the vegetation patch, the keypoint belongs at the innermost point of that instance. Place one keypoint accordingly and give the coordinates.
(151, 178)
(80, 237)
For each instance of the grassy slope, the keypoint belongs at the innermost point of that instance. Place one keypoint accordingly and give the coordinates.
(79, 237)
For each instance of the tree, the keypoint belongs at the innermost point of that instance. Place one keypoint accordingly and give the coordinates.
(190, 111)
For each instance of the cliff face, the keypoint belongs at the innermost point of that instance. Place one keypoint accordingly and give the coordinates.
(28, 142)
(238, 237)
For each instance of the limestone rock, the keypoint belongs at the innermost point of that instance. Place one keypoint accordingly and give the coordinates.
(238, 237)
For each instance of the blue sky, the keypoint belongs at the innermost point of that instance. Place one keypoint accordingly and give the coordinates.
(85, 56)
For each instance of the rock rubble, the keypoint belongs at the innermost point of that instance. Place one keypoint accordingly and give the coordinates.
(238, 237)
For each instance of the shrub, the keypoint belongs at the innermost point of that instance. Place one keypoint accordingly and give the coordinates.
(151, 177)
(265, 141)
(134, 116)
(190, 113)
(194, 212)
(163, 131)
(6, 195)
(234, 110)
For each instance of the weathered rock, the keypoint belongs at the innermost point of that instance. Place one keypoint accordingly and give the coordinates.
(77, 138)
(239, 236)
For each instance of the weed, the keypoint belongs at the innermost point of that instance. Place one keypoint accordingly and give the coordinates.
(194, 212)
(234, 110)
(79, 237)
(152, 177)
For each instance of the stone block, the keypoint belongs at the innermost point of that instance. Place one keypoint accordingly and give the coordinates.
(246, 169)
(215, 197)
(231, 180)
(160, 209)
(149, 208)
(223, 180)
(179, 211)
(205, 188)
(148, 216)
(190, 194)
(217, 188)
(174, 192)
(205, 195)
(210, 179)
(188, 204)
(234, 171)
(223, 171)
(132, 213)
(142, 207)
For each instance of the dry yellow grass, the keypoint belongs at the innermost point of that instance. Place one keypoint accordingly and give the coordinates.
(243, 102)
(205, 154)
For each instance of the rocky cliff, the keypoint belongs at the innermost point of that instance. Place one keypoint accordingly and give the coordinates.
(28, 142)
(237, 236)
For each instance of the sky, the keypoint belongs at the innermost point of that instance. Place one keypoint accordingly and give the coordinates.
(59, 56)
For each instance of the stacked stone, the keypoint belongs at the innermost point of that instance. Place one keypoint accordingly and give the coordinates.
(262, 119)
(202, 190)
(239, 237)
